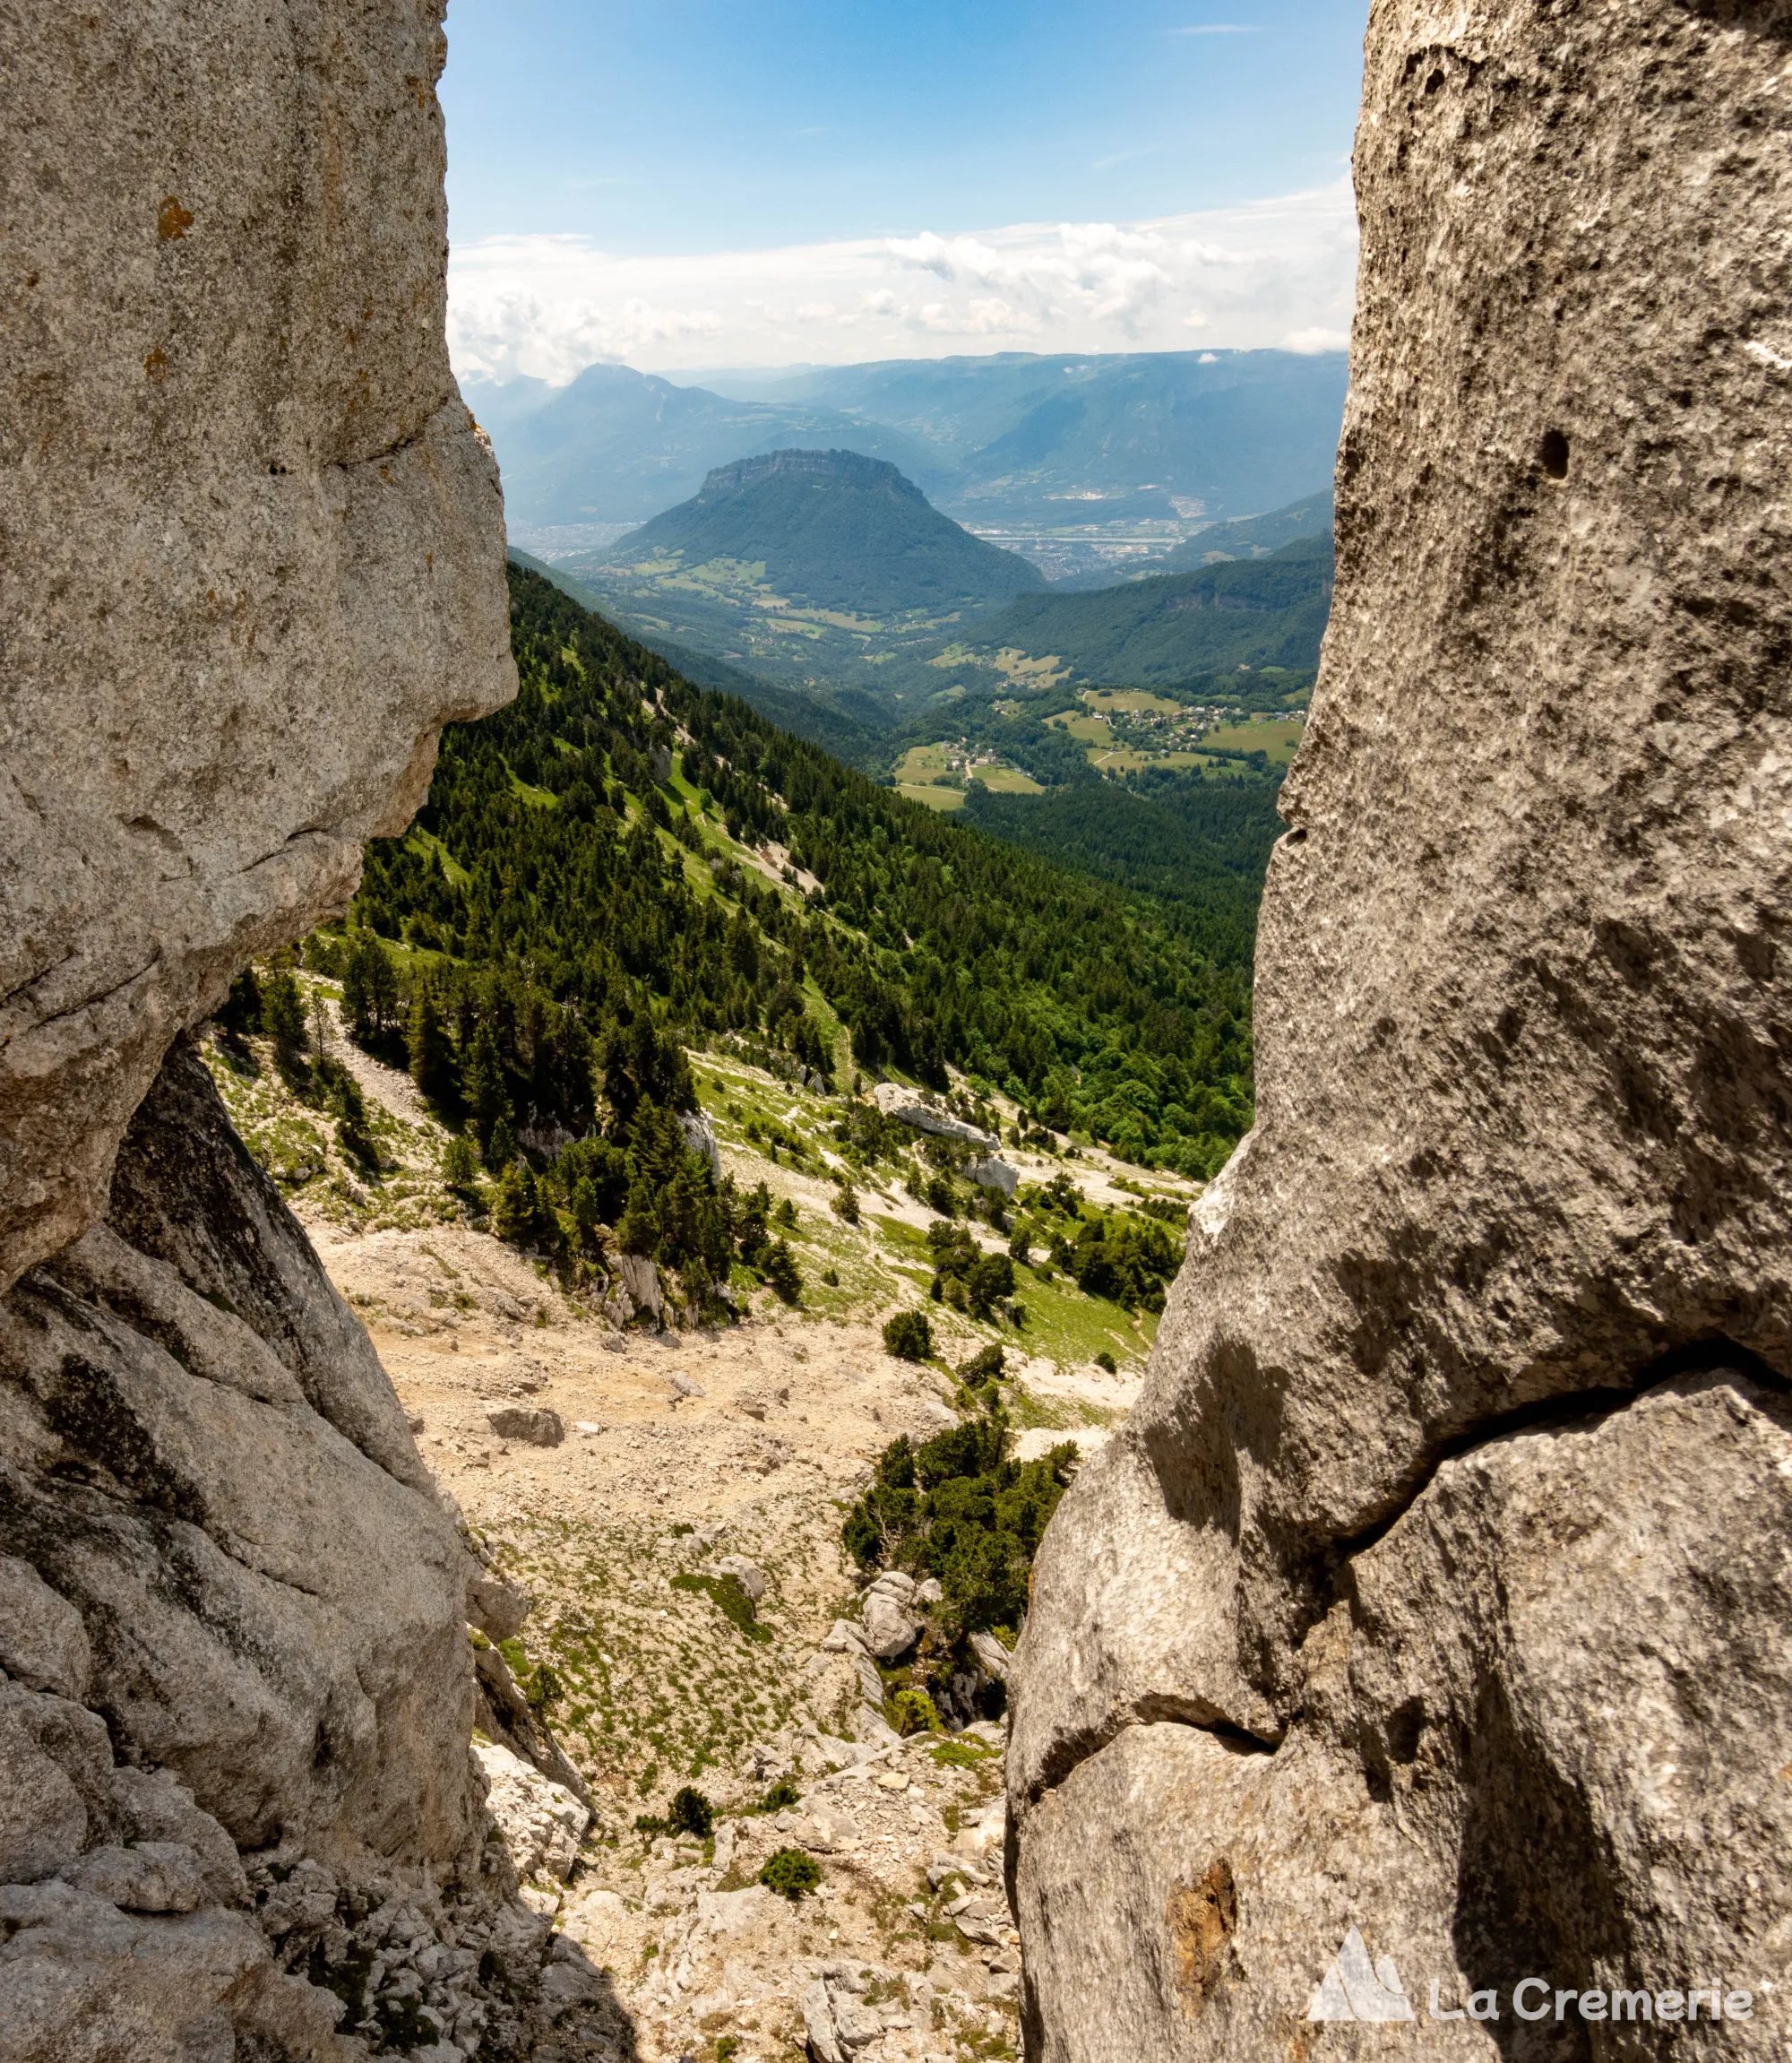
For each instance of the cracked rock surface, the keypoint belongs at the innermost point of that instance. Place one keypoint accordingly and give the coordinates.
(250, 545)
(1437, 1585)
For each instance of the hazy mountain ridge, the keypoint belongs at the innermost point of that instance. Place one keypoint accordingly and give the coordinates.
(1239, 429)
(1049, 442)
(621, 446)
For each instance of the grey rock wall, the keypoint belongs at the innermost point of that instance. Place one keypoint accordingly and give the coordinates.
(251, 550)
(251, 561)
(235, 1610)
(1519, 1173)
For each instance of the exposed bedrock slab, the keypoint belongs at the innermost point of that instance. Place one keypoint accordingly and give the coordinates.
(235, 1612)
(205, 1465)
(1524, 1000)
(251, 548)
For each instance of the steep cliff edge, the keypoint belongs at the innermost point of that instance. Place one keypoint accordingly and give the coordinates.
(251, 561)
(1438, 1586)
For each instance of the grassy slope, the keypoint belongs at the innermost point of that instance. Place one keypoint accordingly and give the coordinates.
(815, 716)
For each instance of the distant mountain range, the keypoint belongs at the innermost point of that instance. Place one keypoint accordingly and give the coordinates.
(618, 446)
(1014, 439)
(1066, 438)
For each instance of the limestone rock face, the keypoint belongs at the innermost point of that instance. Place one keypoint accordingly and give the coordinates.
(1477, 1360)
(251, 561)
(270, 1596)
(251, 552)
(234, 1604)
(543, 1823)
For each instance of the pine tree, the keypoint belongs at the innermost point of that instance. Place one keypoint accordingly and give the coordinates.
(283, 1017)
(425, 1042)
(639, 1229)
(482, 1084)
(242, 1010)
(518, 1211)
(501, 1152)
(370, 987)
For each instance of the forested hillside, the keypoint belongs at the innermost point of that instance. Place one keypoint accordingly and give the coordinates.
(1200, 847)
(576, 891)
(1267, 611)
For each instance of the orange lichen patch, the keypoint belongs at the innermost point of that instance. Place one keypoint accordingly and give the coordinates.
(156, 365)
(172, 220)
(1201, 1918)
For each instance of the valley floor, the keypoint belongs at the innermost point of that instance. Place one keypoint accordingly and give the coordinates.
(681, 1449)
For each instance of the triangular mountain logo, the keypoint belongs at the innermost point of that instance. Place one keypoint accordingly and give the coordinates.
(1356, 1989)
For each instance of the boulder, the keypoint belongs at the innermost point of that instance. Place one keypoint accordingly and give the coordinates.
(747, 1573)
(912, 1107)
(641, 1285)
(818, 2024)
(871, 1730)
(870, 1684)
(890, 1627)
(1396, 1601)
(699, 1137)
(534, 1424)
(255, 549)
(989, 1650)
(994, 1174)
(498, 1608)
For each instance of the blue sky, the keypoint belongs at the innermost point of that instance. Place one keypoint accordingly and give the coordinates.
(645, 135)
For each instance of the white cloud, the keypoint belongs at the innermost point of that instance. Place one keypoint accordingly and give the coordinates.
(1277, 272)
(1316, 340)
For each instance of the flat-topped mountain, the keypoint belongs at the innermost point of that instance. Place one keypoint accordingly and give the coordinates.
(832, 530)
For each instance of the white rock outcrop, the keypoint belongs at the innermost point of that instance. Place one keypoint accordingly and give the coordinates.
(910, 1107)
(542, 1823)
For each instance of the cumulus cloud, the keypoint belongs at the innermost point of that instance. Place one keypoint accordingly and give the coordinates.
(1277, 272)
(1316, 340)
